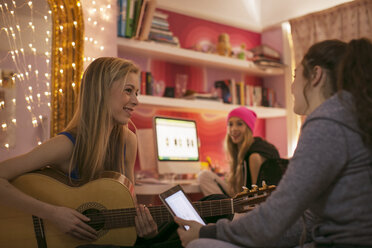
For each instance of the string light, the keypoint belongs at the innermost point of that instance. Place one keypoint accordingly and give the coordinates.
(98, 14)
(26, 55)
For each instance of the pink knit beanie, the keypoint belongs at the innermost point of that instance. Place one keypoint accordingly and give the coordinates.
(247, 115)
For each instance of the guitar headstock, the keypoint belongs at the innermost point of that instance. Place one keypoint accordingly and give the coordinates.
(248, 198)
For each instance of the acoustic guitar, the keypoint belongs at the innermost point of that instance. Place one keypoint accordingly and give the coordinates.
(108, 202)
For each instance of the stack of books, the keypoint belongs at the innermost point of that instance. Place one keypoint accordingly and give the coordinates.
(159, 30)
(138, 19)
(265, 56)
(135, 18)
(244, 94)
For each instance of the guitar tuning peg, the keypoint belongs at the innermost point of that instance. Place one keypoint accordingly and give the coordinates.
(254, 188)
(264, 185)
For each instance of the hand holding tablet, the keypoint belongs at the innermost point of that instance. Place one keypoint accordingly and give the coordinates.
(179, 205)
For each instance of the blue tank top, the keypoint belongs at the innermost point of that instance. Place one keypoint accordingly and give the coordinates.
(74, 173)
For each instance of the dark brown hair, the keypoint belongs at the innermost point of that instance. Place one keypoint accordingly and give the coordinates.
(328, 55)
(355, 76)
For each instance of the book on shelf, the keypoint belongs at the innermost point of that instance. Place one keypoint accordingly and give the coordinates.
(257, 96)
(236, 95)
(248, 95)
(122, 16)
(143, 83)
(265, 50)
(137, 11)
(147, 19)
(265, 97)
(160, 22)
(227, 90)
(147, 83)
(192, 95)
(159, 27)
(160, 15)
(129, 18)
(160, 31)
(268, 63)
(140, 18)
(242, 93)
(272, 98)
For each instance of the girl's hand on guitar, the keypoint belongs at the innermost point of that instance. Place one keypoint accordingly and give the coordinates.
(145, 224)
(72, 222)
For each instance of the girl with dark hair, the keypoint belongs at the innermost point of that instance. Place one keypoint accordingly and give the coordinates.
(324, 198)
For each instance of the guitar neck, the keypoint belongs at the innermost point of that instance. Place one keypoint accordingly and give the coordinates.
(205, 209)
(125, 217)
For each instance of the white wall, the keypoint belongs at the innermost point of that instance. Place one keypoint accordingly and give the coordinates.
(243, 14)
(276, 11)
(253, 15)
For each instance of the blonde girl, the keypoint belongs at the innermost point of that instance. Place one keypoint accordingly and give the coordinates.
(96, 139)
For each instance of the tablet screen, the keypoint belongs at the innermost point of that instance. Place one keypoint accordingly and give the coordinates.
(182, 207)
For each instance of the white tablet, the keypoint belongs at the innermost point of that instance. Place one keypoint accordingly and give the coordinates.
(179, 205)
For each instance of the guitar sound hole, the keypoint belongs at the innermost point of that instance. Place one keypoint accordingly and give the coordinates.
(97, 219)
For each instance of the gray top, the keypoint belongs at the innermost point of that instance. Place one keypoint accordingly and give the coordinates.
(330, 176)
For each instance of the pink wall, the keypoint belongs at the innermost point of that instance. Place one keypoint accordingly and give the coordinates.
(192, 30)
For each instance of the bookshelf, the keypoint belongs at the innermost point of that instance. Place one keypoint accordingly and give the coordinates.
(190, 57)
(207, 106)
(185, 56)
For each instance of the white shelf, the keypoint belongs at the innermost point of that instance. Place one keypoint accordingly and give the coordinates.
(207, 105)
(186, 56)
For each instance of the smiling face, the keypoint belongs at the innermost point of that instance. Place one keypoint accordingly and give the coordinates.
(123, 99)
(237, 130)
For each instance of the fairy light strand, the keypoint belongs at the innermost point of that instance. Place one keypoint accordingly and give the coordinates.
(21, 30)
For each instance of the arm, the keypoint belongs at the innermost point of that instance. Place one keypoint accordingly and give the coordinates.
(255, 162)
(55, 152)
(320, 155)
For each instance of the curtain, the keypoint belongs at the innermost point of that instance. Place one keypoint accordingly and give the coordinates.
(344, 22)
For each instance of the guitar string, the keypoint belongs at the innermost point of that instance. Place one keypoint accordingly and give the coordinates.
(117, 216)
(206, 211)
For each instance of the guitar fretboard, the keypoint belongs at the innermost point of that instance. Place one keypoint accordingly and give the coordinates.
(125, 217)
(118, 218)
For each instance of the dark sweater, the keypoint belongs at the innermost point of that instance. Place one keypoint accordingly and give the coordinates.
(262, 147)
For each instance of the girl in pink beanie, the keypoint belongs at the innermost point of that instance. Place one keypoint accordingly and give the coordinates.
(247, 153)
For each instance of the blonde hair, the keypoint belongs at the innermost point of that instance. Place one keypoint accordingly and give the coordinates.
(98, 146)
(235, 178)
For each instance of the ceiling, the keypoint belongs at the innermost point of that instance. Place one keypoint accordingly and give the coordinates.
(254, 15)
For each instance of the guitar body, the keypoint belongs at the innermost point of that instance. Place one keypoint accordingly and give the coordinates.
(17, 228)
